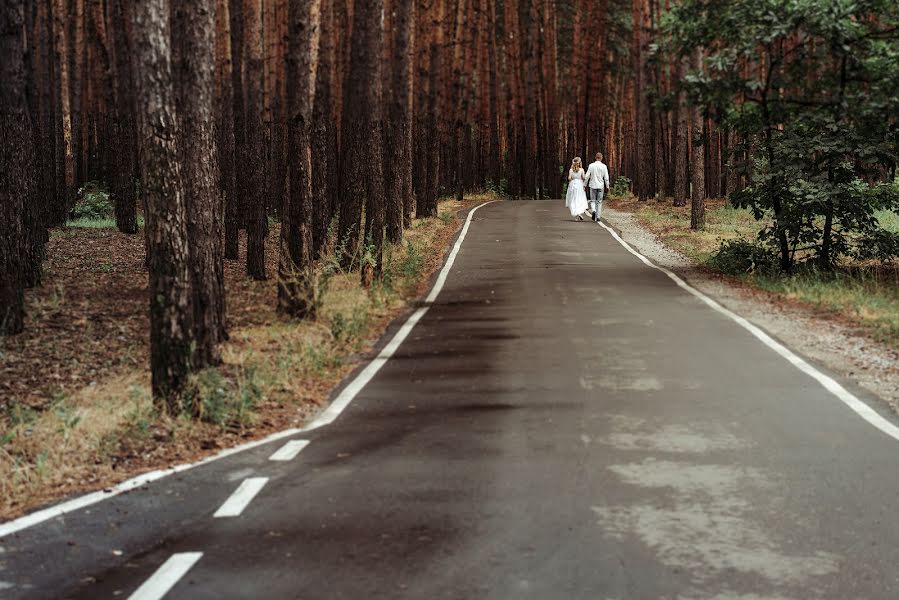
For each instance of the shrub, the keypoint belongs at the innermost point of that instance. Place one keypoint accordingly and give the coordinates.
(622, 186)
(93, 204)
(739, 257)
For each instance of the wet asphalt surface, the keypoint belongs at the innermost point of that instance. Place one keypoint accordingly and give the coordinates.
(563, 423)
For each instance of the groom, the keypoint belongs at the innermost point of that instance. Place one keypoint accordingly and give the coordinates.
(597, 179)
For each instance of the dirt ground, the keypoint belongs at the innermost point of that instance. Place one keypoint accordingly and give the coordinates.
(84, 355)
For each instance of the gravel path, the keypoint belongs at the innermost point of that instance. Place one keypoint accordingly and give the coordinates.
(871, 364)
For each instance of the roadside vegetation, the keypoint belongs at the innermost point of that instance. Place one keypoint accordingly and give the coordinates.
(861, 292)
(82, 415)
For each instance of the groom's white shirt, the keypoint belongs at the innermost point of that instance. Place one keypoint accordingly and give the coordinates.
(598, 175)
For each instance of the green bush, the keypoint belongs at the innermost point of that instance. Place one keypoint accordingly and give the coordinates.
(622, 186)
(739, 257)
(218, 402)
(93, 204)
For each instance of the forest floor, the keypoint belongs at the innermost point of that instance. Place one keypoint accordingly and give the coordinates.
(75, 408)
(848, 322)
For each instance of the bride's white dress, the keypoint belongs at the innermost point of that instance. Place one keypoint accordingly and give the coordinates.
(576, 198)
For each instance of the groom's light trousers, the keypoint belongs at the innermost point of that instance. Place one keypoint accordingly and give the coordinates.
(596, 195)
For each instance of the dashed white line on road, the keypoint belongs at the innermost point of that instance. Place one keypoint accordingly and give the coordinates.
(326, 417)
(289, 450)
(241, 497)
(166, 576)
(829, 383)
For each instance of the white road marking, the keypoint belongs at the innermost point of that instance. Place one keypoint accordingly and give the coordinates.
(289, 450)
(350, 391)
(166, 576)
(328, 416)
(863, 410)
(241, 497)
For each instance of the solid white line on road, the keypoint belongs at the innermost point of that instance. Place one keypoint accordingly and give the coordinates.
(241, 497)
(166, 576)
(328, 416)
(355, 386)
(829, 383)
(289, 450)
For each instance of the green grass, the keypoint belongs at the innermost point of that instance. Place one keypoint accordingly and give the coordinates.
(857, 295)
(89, 223)
(97, 223)
(863, 299)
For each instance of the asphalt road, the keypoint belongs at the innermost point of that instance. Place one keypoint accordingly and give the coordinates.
(564, 422)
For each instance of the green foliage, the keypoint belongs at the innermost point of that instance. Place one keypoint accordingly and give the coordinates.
(347, 329)
(811, 89)
(93, 205)
(217, 401)
(621, 187)
(500, 188)
(740, 257)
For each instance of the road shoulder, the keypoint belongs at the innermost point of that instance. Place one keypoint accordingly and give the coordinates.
(870, 364)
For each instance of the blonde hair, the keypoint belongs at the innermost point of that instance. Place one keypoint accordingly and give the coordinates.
(577, 161)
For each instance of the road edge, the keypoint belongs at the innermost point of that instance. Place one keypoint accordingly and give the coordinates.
(342, 396)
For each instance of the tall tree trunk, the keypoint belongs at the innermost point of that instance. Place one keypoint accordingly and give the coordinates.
(681, 143)
(697, 162)
(324, 132)
(235, 208)
(397, 166)
(193, 33)
(296, 292)
(161, 183)
(426, 204)
(124, 162)
(255, 193)
(225, 124)
(66, 153)
(361, 166)
(37, 88)
(16, 172)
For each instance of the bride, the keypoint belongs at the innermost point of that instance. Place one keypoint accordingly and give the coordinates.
(576, 199)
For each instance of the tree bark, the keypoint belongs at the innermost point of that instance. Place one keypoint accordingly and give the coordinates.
(193, 34)
(361, 166)
(681, 144)
(296, 291)
(235, 207)
(124, 161)
(324, 132)
(255, 193)
(397, 163)
(161, 178)
(697, 162)
(16, 173)
(225, 125)
(66, 152)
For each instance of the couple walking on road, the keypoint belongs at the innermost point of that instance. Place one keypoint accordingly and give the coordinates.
(597, 180)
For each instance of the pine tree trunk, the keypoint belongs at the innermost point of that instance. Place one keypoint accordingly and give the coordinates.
(66, 152)
(296, 292)
(255, 194)
(697, 162)
(397, 167)
(361, 167)
(193, 34)
(324, 132)
(38, 85)
(426, 203)
(235, 208)
(225, 124)
(161, 183)
(681, 142)
(16, 172)
(124, 160)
